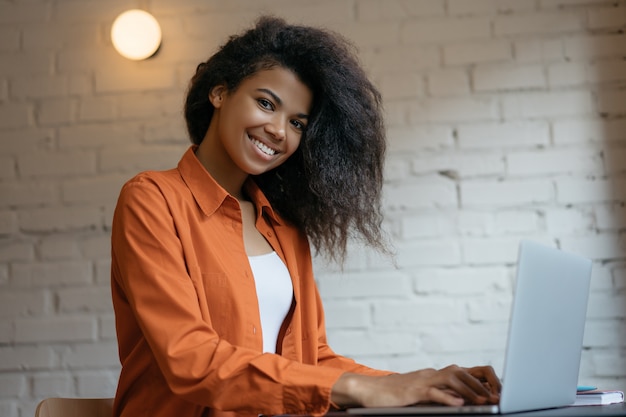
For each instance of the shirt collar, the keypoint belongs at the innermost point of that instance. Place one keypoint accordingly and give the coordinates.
(209, 195)
(260, 201)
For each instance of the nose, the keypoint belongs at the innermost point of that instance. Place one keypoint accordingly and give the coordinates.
(277, 127)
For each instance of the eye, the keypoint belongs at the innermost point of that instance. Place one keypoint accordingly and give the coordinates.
(265, 103)
(298, 124)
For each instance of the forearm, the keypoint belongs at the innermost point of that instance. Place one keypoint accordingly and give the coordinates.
(452, 385)
(347, 390)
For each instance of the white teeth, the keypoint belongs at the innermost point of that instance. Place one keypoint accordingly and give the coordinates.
(265, 149)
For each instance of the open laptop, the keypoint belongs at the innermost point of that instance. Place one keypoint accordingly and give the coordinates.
(545, 336)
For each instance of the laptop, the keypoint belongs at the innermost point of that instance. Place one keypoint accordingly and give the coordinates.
(545, 336)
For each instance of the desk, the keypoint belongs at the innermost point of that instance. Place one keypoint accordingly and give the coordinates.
(588, 411)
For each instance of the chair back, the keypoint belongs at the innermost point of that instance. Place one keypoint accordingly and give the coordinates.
(75, 407)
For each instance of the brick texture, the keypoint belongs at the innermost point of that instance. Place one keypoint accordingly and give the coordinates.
(506, 120)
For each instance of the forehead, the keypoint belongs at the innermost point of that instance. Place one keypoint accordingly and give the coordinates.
(282, 82)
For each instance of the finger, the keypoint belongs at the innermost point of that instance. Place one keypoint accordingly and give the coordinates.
(487, 374)
(479, 388)
(440, 396)
(470, 388)
(463, 383)
(494, 381)
(484, 383)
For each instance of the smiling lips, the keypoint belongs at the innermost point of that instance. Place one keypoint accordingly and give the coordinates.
(263, 148)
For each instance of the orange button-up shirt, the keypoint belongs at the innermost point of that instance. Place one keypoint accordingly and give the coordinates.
(186, 311)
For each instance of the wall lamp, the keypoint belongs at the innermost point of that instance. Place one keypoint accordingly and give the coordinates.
(136, 34)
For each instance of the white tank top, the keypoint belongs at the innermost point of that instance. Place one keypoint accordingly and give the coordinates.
(275, 292)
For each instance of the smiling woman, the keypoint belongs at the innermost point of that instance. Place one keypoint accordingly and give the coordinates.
(332, 184)
(216, 305)
(254, 129)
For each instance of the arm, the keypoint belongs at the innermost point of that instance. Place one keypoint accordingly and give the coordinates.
(452, 386)
(363, 386)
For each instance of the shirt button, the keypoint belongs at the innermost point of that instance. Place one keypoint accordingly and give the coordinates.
(270, 234)
(288, 330)
(253, 329)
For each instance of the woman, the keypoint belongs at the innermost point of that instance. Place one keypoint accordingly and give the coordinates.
(216, 307)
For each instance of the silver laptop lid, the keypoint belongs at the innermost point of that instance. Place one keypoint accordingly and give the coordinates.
(546, 329)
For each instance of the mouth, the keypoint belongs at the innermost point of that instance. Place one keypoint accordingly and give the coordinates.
(262, 147)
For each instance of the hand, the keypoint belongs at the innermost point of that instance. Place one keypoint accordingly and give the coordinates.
(452, 386)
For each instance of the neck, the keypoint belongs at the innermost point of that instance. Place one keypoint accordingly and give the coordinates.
(231, 180)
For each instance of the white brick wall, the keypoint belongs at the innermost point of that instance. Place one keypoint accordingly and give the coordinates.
(506, 120)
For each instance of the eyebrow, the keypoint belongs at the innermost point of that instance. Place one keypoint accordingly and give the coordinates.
(280, 102)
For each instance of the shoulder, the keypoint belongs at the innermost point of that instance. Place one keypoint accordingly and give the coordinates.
(154, 178)
(151, 186)
(157, 180)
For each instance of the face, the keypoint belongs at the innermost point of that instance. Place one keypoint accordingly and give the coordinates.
(259, 125)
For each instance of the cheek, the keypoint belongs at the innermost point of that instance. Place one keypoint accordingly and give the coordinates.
(294, 143)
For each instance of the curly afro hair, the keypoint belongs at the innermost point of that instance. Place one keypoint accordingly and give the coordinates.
(331, 186)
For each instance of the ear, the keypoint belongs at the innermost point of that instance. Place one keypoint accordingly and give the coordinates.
(216, 95)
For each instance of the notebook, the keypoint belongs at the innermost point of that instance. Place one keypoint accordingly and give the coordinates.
(545, 336)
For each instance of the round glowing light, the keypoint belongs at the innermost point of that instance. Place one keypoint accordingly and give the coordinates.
(136, 34)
